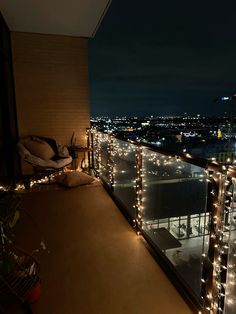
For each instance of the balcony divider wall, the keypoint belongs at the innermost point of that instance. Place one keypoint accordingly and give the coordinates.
(51, 86)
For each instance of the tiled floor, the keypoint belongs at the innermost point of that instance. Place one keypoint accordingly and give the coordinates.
(92, 262)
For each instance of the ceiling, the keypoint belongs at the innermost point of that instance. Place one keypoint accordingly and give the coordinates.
(72, 17)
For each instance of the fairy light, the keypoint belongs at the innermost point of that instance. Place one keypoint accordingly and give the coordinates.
(20, 187)
(230, 246)
(139, 186)
(110, 163)
(210, 284)
(3, 188)
(98, 159)
(219, 202)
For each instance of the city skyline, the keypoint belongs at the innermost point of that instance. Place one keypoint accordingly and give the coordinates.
(163, 58)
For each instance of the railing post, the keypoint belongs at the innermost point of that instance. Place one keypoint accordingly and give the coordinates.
(111, 161)
(139, 188)
(215, 261)
(97, 155)
(231, 226)
(90, 145)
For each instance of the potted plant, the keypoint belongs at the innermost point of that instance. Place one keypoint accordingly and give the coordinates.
(19, 271)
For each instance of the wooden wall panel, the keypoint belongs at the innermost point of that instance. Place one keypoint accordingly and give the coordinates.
(51, 82)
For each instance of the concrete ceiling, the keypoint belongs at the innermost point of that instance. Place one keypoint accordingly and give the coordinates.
(72, 17)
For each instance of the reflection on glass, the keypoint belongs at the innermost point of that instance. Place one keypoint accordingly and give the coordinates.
(125, 174)
(174, 214)
(104, 168)
(101, 156)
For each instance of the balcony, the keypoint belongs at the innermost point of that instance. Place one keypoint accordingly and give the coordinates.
(91, 259)
(184, 208)
(179, 209)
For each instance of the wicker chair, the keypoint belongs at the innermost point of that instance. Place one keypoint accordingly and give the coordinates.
(44, 154)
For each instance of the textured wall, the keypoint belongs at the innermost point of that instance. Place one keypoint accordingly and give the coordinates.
(51, 81)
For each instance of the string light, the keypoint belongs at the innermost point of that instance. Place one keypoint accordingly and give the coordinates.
(21, 187)
(218, 248)
(220, 199)
(139, 186)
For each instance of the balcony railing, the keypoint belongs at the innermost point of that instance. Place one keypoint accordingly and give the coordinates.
(184, 208)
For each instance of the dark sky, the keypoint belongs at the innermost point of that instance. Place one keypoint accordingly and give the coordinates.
(163, 57)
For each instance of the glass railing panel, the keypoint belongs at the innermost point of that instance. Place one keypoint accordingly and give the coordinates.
(125, 174)
(175, 217)
(174, 212)
(101, 155)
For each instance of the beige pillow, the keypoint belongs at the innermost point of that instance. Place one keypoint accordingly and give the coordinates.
(39, 149)
(74, 178)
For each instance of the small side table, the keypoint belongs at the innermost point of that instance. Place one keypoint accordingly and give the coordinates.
(74, 151)
(165, 240)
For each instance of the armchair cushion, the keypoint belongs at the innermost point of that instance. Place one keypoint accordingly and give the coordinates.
(30, 151)
(39, 148)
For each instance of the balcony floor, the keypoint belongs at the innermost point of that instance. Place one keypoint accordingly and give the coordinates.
(94, 263)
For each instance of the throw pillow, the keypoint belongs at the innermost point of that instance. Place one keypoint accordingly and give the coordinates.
(73, 179)
(39, 148)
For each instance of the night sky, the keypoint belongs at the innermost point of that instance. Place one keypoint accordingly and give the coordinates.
(163, 57)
